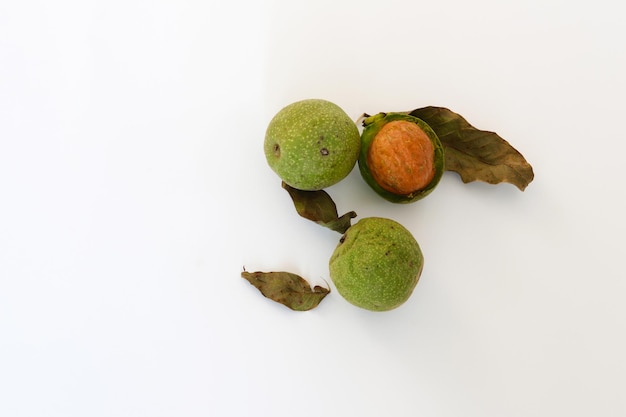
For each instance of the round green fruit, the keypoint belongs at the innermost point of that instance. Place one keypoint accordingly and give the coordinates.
(312, 144)
(376, 264)
(401, 157)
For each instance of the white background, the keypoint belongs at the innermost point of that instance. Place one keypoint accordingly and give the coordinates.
(133, 190)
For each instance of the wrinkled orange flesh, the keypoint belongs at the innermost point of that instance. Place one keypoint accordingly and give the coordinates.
(401, 158)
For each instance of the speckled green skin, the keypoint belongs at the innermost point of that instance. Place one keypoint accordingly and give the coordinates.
(376, 264)
(312, 144)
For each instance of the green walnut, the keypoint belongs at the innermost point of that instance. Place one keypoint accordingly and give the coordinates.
(401, 157)
(376, 264)
(312, 144)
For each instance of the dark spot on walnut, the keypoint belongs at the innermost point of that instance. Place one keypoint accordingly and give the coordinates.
(343, 239)
(276, 150)
(324, 151)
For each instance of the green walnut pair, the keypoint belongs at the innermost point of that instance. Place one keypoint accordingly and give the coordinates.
(313, 144)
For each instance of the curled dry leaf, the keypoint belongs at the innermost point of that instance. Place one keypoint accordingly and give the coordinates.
(287, 288)
(476, 154)
(320, 208)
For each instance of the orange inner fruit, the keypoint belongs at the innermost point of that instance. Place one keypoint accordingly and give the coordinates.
(401, 157)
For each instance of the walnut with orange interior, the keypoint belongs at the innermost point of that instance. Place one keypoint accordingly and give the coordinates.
(401, 157)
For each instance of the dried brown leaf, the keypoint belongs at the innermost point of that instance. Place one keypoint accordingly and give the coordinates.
(287, 288)
(476, 154)
(320, 208)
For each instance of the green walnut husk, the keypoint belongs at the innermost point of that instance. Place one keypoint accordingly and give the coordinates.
(312, 144)
(372, 125)
(376, 264)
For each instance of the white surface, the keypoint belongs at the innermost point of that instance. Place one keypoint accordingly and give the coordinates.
(134, 189)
